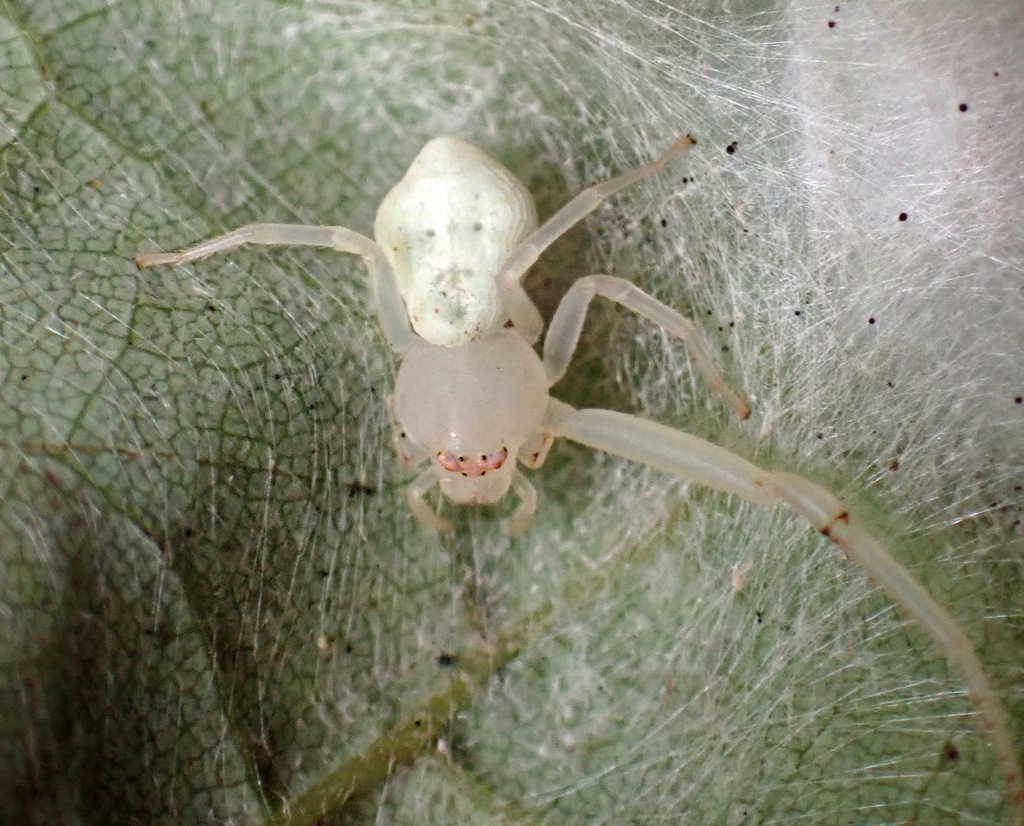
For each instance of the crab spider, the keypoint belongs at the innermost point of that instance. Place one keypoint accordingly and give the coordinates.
(453, 240)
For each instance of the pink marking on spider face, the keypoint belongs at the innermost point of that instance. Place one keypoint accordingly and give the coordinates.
(472, 466)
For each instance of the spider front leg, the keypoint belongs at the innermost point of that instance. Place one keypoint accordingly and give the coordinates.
(564, 332)
(696, 460)
(535, 450)
(383, 284)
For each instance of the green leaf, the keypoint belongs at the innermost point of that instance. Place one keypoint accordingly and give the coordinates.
(215, 604)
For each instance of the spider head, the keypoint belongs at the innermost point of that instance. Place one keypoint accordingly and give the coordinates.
(475, 479)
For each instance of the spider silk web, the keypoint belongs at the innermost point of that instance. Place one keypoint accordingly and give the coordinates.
(215, 605)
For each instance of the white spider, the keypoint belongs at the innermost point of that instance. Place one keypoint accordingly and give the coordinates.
(454, 238)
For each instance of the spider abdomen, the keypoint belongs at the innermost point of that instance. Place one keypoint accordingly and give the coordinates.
(446, 228)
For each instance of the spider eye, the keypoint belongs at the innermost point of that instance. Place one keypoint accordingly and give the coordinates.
(448, 462)
(472, 466)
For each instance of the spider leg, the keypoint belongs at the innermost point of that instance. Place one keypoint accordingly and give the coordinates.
(696, 460)
(564, 332)
(830, 517)
(523, 513)
(410, 454)
(415, 495)
(523, 313)
(535, 449)
(529, 250)
(662, 447)
(383, 285)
